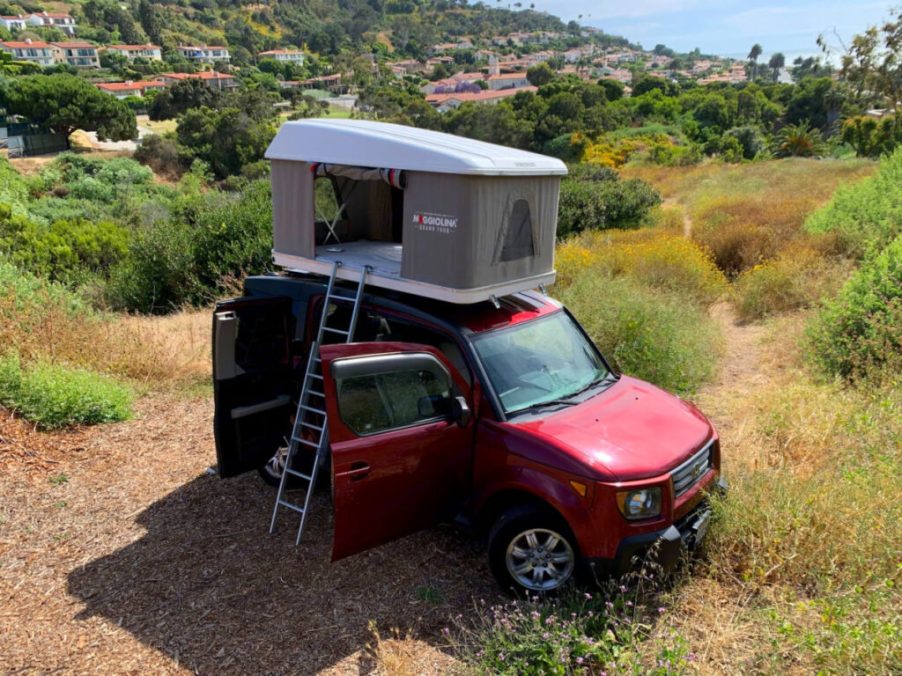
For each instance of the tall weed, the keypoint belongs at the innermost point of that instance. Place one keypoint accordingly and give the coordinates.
(648, 333)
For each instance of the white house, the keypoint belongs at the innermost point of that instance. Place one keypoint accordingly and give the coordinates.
(283, 55)
(132, 52)
(204, 53)
(508, 81)
(13, 23)
(32, 51)
(53, 20)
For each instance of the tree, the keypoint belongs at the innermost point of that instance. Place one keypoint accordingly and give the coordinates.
(540, 74)
(754, 53)
(65, 103)
(150, 21)
(776, 63)
(226, 139)
(872, 64)
(613, 90)
(798, 140)
(180, 97)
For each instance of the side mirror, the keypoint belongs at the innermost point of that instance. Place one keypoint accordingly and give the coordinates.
(460, 412)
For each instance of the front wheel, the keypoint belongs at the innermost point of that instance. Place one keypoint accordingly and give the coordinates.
(532, 551)
(271, 472)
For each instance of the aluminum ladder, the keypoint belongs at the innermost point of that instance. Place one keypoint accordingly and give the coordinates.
(311, 411)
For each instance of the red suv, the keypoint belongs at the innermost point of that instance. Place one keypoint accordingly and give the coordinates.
(502, 417)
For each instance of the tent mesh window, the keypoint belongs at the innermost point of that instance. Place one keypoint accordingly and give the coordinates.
(518, 236)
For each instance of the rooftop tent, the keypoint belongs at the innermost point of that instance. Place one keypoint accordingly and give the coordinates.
(432, 214)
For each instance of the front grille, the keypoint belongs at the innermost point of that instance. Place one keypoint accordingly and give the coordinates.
(687, 475)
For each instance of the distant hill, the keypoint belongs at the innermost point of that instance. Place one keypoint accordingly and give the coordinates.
(405, 28)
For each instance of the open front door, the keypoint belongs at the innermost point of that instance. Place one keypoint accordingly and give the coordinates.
(401, 438)
(252, 382)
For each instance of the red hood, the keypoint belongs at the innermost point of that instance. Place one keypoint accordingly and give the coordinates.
(633, 430)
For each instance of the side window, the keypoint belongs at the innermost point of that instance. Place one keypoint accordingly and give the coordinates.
(391, 391)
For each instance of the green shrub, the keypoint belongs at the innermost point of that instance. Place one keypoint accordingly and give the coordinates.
(159, 275)
(860, 331)
(66, 250)
(212, 240)
(648, 333)
(595, 198)
(53, 396)
(866, 215)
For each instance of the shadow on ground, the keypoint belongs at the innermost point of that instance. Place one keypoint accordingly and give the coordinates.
(209, 587)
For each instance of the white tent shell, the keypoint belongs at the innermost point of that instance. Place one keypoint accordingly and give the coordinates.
(432, 214)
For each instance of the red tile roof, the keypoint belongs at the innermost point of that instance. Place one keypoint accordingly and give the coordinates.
(487, 95)
(130, 86)
(204, 75)
(25, 45)
(132, 48)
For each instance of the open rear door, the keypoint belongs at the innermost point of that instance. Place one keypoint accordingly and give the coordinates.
(401, 439)
(252, 381)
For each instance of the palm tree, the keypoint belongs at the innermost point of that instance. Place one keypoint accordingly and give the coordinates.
(799, 140)
(776, 63)
(753, 59)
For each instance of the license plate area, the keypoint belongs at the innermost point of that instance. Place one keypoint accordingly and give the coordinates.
(699, 528)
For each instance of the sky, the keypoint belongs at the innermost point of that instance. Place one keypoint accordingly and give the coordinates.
(729, 27)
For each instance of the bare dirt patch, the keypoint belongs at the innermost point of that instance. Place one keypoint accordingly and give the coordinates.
(119, 552)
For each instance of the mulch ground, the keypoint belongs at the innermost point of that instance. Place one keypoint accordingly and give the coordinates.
(120, 553)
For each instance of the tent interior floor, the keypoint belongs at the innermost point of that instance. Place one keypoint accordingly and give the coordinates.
(383, 258)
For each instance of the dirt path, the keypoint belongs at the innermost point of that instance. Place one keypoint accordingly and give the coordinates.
(124, 554)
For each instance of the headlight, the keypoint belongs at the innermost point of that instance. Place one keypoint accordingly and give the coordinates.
(641, 503)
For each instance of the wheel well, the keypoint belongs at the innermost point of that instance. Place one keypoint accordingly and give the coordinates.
(505, 500)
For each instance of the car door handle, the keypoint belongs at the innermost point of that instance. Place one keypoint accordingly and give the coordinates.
(358, 471)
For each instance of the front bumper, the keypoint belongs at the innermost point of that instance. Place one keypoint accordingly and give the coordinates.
(662, 547)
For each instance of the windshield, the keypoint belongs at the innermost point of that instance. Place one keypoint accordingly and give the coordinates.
(539, 362)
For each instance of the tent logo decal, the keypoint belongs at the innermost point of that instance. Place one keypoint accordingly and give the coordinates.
(428, 222)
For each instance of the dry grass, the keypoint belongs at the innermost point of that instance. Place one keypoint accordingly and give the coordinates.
(44, 321)
(120, 554)
(798, 569)
(746, 214)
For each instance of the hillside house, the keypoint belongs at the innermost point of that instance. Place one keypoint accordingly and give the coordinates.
(60, 20)
(446, 102)
(132, 52)
(283, 55)
(138, 88)
(214, 80)
(32, 51)
(508, 81)
(13, 23)
(77, 54)
(204, 53)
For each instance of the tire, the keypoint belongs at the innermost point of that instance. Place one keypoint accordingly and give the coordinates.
(519, 554)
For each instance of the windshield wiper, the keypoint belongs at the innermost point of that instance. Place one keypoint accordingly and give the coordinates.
(550, 402)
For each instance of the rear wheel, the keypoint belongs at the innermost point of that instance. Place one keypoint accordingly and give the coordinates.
(532, 551)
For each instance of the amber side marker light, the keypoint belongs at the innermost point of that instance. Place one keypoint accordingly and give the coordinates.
(579, 488)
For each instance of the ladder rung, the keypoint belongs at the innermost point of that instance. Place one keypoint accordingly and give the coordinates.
(300, 475)
(338, 331)
(312, 426)
(306, 442)
(316, 394)
(315, 375)
(290, 505)
(312, 409)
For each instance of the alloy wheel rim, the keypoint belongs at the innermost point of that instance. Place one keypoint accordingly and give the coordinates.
(540, 559)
